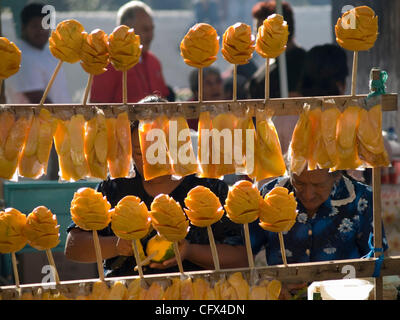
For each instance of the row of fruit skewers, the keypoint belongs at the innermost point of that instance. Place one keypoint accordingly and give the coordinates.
(131, 220)
(235, 287)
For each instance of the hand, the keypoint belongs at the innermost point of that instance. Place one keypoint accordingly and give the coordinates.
(183, 250)
(124, 247)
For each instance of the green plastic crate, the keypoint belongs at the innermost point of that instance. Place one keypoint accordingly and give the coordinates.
(27, 195)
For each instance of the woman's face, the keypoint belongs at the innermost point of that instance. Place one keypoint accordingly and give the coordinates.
(212, 87)
(313, 188)
(144, 27)
(34, 33)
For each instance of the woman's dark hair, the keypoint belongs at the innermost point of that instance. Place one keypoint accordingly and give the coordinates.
(31, 11)
(149, 99)
(324, 67)
(262, 10)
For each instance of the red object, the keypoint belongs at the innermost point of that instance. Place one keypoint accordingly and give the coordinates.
(143, 79)
(394, 172)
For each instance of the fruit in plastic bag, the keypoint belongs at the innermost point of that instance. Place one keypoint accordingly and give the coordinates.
(96, 146)
(370, 140)
(154, 148)
(180, 151)
(36, 151)
(299, 145)
(69, 143)
(119, 154)
(268, 153)
(346, 137)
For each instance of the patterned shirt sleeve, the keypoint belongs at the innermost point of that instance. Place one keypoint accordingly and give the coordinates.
(365, 214)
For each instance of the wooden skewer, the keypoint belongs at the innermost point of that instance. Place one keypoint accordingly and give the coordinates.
(213, 248)
(266, 79)
(234, 91)
(1, 86)
(87, 90)
(137, 258)
(283, 252)
(98, 255)
(178, 257)
(14, 263)
(248, 245)
(148, 259)
(52, 263)
(50, 84)
(124, 87)
(354, 74)
(200, 85)
(377, 221)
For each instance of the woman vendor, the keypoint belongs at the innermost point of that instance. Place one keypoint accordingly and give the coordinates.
(195, 250)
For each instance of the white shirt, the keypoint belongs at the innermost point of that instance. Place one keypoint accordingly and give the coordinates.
(37, 67)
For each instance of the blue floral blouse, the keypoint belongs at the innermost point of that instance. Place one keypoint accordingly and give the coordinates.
(339, 230)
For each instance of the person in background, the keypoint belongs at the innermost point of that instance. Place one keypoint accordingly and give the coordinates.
(325, 71)
(37, 64)
(212, 84)
(194, 250)
(294, 64)
(294, 55)
(334, 221)
(213, 89)
(207, 11)
(144, 78)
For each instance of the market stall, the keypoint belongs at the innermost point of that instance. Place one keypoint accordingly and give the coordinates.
(88, 159)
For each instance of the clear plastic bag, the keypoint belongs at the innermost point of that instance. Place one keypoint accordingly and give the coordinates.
(69, 143)
(180, 146)
(346, 137)
(96, 145)
(119, 141)
(268, 153)
(13, 134)
(370, 144)
(216, 142)
(154, 147)
(36, 151)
